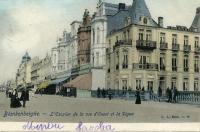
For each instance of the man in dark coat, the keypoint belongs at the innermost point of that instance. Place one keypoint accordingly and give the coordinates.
(23, 97)
(138, 99)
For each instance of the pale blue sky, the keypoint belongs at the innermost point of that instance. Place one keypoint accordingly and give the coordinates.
(34, 25)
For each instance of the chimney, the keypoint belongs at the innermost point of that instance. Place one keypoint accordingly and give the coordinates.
(122, 6)
(160, 21)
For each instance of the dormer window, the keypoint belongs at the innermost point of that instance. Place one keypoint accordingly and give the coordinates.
(145, 20)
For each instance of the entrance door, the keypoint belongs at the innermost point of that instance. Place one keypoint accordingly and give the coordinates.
(150, 85)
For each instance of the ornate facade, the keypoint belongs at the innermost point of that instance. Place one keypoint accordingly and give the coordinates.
(143, 53)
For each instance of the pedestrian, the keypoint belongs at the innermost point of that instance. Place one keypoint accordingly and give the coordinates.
(14, 101)
(109, 94)
(98, 92)
(27, 95)
(23, 97)
(103, 93)
(175, 94)
(138, 99)
(167, 93)
(170, 95)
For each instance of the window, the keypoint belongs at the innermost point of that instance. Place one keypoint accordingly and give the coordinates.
(138, 83)
(185, 40)
(174, 39)
(185, 64)
(108, 63)
(173, 83)
(174, 63)
(93, 32)
(97, 61)
(117, 60)
(196, 85)
(145, 20)
(162, 63)
(196, 64)
(141, 34)
(148, 35)
(98, 35)
(162, 38)
(128, 32)
(196, 42)
(185, 85)
(125, 60)
(124, 84)
(144, 60)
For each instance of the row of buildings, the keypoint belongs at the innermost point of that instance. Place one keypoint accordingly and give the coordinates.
(119, 47)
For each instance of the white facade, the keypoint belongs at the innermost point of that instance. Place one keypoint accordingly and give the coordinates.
(98, 45)
(64, 56)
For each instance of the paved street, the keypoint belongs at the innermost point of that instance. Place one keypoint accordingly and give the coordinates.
(88, 110)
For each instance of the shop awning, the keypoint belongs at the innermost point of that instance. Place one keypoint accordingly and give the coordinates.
(59, 80)
(43, 85)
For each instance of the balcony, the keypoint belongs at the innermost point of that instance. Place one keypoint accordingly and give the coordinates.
(148, 66)
(146, 45)
(186, 69)
(197, 50)
(174, 68)
(175, 47)
(187, 48)
(123, 43)
(163, 46)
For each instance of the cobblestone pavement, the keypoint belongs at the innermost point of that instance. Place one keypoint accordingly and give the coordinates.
(54, 108)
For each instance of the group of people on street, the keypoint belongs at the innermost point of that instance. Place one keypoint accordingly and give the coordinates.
(172, 94)
(15, 100)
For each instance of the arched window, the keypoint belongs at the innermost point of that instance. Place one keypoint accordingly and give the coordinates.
(93, 35)
(98, 35)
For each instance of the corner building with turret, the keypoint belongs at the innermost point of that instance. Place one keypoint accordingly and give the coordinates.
(141, 52)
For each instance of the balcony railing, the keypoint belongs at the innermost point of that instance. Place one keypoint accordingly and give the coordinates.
(197, 50)
(189, 97)
(123, 43)
(147, 45)
(163, 46)
(175, 47)
(148, 66)
(187, 48)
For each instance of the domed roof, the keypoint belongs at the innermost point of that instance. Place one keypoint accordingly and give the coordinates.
(26, 58)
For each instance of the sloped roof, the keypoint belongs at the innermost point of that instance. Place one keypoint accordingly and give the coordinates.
(196, 21)
(138, 9)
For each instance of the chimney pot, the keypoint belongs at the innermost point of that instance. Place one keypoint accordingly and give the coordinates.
(160, 21)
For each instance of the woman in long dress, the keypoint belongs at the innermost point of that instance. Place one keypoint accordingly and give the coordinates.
(15, 103)
(138, 99)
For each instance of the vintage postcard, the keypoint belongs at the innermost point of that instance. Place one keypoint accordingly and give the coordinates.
(99, 65)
